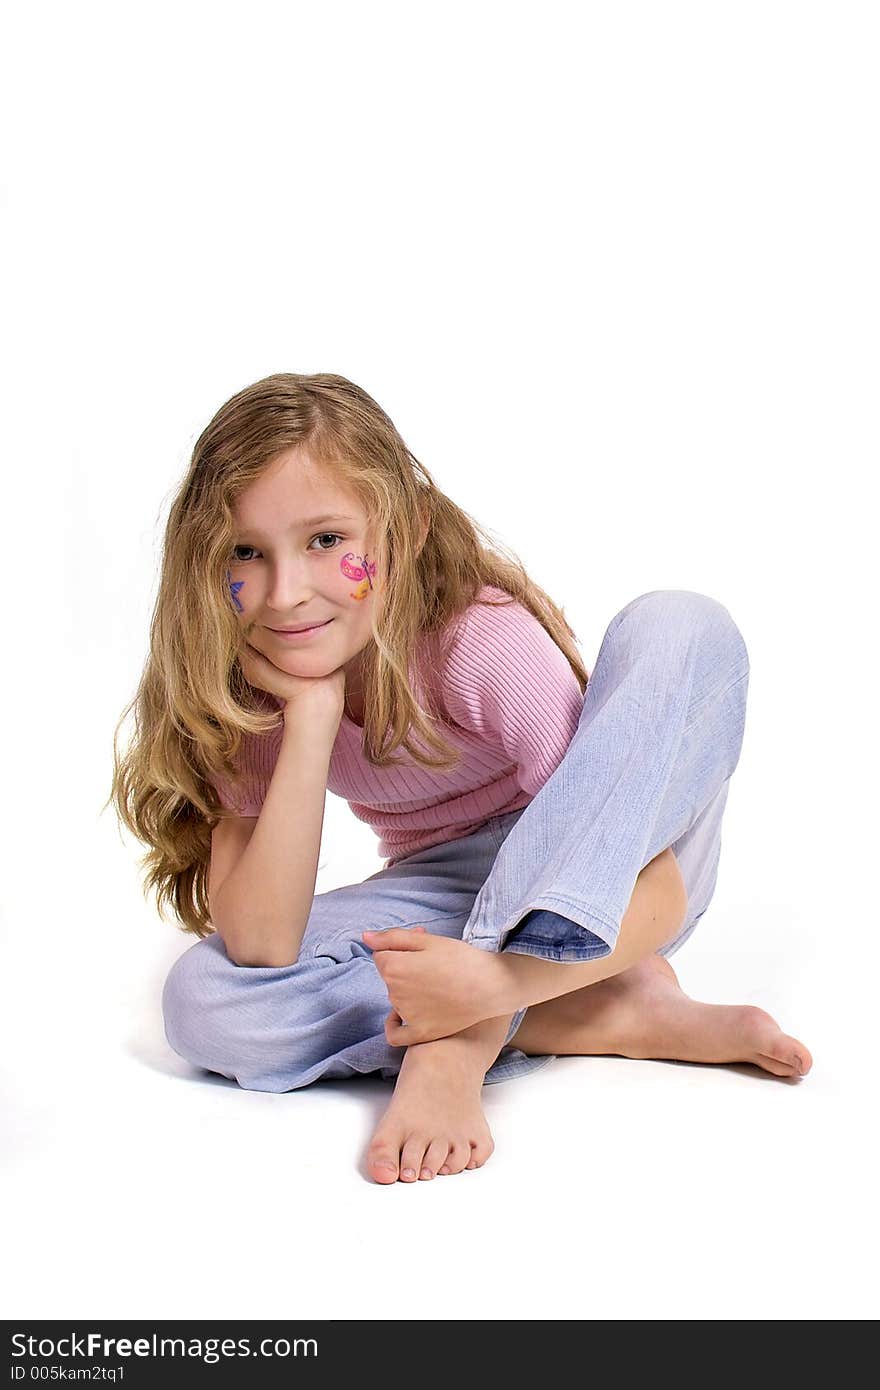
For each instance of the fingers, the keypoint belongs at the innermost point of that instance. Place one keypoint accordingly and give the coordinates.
(396, 1031)
(396, 939)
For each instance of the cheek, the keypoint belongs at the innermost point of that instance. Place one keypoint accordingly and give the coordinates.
(235, 591)
(359, 574)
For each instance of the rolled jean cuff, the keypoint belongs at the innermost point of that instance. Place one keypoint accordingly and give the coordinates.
(551, 936)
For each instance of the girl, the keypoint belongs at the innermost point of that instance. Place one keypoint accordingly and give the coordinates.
(328, 618)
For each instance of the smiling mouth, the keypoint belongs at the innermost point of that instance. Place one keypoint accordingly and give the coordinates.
(297, 631)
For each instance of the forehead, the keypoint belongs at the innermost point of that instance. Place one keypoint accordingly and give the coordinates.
(295, 490)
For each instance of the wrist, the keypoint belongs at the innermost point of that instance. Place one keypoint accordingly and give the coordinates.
(507, 984)
(310, 722)
(525, 980)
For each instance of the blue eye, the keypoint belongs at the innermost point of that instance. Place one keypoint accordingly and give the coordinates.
(332, 535)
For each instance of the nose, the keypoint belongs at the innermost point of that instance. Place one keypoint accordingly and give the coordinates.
(289, 587)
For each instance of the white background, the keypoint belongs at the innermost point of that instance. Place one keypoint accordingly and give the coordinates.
(612, 271)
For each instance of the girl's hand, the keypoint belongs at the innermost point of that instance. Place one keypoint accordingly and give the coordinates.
(437, 985)
(297, 693)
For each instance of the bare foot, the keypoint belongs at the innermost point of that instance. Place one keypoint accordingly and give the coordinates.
(643, 1012)
(435, 1122)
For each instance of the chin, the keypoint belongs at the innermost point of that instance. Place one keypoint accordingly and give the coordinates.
(304, 663)
(296, 660)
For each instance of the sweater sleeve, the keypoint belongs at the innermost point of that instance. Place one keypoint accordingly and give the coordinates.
(244, 796)
(258, 753)
(506, 680)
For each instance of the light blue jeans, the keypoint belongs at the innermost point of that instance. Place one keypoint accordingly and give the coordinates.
(648, 768)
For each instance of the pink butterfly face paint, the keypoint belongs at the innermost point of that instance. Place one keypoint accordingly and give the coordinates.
(233, 589)
(360, 568)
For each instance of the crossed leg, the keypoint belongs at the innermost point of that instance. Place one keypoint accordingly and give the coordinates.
(643, 1012)
(435, 1122)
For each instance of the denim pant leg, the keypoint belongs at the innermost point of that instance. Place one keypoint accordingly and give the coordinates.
(648, 768)
(280, 1028)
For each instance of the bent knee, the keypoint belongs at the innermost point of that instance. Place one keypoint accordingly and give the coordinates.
(192, 999)
(689, 614)
(267, 1028)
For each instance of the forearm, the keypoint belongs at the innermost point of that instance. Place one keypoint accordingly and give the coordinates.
(655, 913)
(263, 906)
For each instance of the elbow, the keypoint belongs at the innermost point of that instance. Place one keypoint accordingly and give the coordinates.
(256, 949)
(254, 958)
(260, 960)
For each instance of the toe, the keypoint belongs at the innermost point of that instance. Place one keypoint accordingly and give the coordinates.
(773, 1064)
(480, 1152)
(434, 1159)
(791, 1058)
(802, 1057)
(382, 1161)
(774, 1050)
(458, 1156)
(411, 1158)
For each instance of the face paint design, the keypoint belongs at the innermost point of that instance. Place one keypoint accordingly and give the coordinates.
(365, 571)
(233, 589)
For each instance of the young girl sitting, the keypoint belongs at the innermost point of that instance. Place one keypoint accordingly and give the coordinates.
(328, 618)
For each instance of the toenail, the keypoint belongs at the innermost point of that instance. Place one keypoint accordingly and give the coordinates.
(426, 1173)
(409, 1172)
(444, 1169)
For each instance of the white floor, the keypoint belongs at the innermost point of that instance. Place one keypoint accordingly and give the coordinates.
(137, 1186)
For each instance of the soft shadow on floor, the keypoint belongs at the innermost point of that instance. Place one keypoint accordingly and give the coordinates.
(367, 1097)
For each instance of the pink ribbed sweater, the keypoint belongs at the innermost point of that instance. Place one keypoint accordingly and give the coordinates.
(512, 704)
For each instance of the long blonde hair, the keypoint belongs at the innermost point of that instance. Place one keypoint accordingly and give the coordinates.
(193, 704)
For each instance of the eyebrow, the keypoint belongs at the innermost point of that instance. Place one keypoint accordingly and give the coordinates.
(303, 525)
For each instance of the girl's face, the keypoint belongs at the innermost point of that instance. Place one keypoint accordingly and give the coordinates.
(301, 555)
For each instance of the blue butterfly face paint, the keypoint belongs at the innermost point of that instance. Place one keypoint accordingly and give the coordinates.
(233, 589)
